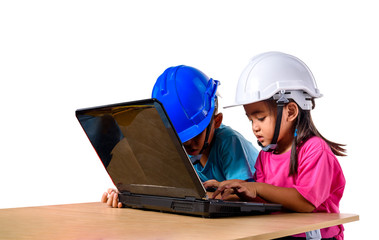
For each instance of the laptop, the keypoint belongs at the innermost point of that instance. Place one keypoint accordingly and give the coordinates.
(148, 164)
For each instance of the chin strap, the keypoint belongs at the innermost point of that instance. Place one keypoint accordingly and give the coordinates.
(195, 159)
(280, 104)
(206, 144)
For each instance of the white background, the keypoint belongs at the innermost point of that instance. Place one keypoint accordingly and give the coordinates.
(57, 56)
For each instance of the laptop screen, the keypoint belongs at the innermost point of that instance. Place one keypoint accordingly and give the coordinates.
(140, 149)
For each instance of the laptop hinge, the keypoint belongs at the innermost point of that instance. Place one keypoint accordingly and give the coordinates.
(190, 198)
(126, 193)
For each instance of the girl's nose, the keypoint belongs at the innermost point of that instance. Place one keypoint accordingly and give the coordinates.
(255, 127)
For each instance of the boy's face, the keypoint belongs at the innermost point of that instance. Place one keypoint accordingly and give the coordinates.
(194, 145)
(263, 121)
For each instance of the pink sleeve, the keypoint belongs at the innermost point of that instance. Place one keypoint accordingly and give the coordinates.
(315, 172)
(259, 175)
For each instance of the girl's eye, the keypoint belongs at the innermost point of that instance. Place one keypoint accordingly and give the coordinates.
(261, 119)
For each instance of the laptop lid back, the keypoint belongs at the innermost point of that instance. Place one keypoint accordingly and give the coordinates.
(140, 149)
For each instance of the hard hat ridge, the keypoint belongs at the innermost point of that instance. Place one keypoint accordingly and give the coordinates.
(268, 73)
(278, 76)
(188, 96)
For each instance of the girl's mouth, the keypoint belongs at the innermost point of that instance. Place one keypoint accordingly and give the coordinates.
(260, 139)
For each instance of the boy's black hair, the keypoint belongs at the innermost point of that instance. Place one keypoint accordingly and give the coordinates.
(216, 106)
(206, 143)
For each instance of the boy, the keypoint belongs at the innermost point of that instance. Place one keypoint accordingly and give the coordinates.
(218, 152)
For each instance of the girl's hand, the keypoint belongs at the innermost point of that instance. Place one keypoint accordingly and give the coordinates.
(246, 191)
(212, 185)
(111, 198)
(215, 184)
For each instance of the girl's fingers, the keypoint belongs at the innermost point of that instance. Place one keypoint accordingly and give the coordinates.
(218, 191)
(227, 192)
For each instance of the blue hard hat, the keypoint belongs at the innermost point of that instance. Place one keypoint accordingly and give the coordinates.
(189, 98)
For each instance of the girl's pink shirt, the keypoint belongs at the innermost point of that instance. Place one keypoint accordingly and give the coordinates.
(320, 179)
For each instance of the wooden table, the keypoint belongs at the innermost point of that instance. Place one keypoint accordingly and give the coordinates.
(97, 221)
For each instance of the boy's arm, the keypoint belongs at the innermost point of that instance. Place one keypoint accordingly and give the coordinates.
(111, 198)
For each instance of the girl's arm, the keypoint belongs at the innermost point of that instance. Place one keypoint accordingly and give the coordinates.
(290, 198)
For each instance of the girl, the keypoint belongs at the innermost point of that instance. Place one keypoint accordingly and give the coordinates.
(297, 166)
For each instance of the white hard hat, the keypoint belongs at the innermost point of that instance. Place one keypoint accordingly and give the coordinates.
(276, 74)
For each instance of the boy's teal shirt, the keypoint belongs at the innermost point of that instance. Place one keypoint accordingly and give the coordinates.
(231, 157)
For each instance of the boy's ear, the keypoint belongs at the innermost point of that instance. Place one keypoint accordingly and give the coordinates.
(293, 111)
(218, 120)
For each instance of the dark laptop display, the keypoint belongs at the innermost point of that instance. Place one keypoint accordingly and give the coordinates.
(145, 159)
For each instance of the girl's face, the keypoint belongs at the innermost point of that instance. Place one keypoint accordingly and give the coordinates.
(263, 121)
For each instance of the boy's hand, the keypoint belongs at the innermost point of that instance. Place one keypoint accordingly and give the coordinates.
(111, 198)
(211, 185)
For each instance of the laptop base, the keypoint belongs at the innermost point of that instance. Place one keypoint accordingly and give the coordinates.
(211, 208)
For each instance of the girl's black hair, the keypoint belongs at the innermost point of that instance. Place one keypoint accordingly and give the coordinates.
(305, 129)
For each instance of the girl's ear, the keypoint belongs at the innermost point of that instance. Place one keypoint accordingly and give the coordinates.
(218, 120)
(292, 110)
